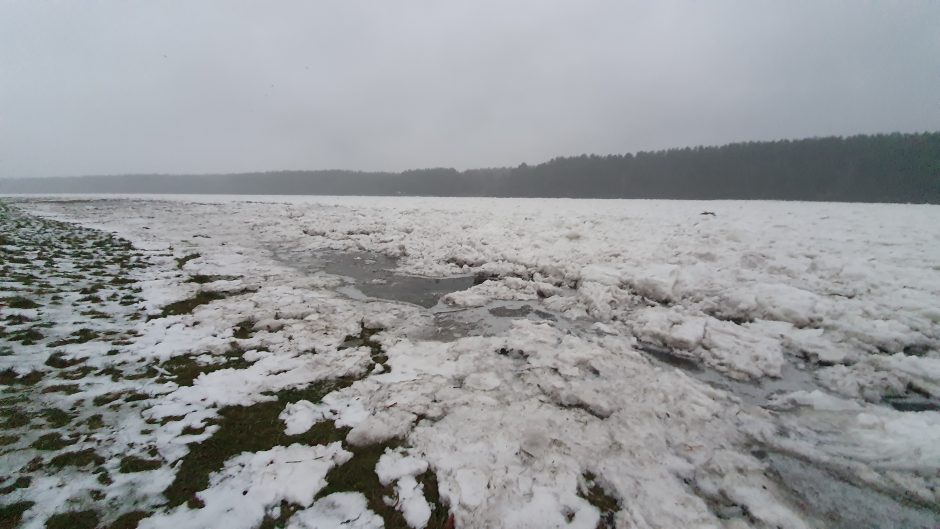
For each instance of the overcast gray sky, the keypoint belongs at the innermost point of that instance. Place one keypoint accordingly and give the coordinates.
(110, 87)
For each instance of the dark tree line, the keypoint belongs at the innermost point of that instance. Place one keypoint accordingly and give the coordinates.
(878, 168)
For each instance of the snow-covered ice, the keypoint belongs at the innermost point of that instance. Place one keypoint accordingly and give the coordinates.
(802, 332)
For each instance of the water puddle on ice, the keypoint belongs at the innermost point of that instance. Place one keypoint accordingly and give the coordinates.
(373, 276)
(913, 402)
(841, 504)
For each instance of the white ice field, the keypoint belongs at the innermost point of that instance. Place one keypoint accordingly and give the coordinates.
(587, 363)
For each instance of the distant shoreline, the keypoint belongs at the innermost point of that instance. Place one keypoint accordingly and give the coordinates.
(888, 168)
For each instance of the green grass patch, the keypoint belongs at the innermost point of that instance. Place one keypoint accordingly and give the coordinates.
(95, 314)
(136, 464)
(108, 398)
(10, 377)
(56, 417)
(68, 389)
(595, 494)
(80, 458)
(187, 306)
(185, 369)
(111, 371)
(192, 430)
(358, 475)
(128, 520)
(150, 372)
(11, 515)
(91, 289)
(18, 319)
(91, 299)
(58, 360)
(25, 336)
(248, 429)
(243, 330)
(77, 373)
(13, 418)
(365, 338)
(181, 261)
(87, 519)
(80, 336)
(53, 441)
(285, 511)
(201, 279)
(95, 422)
(20, 483)
(135, 396)
(20, 302)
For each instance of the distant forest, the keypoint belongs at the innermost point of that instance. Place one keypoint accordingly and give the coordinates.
(876, 168)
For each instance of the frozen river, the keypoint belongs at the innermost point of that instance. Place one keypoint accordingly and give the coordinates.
(550, 363)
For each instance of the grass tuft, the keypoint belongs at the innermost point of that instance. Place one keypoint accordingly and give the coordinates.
(181, 261)
(9, 377)
(187, 306)
(73, 520)
(20, 302)
(595, 494)
(80, 458)
(132, 464)
(53, 441)
(12, 514)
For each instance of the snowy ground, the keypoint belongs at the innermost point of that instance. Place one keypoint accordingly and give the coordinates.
(591, 363)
